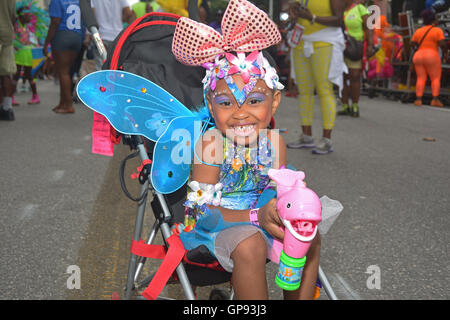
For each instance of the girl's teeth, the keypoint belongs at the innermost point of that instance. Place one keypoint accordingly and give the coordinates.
(244, 130)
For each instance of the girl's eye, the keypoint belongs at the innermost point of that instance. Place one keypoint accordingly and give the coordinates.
(223, 101)
(256, 98)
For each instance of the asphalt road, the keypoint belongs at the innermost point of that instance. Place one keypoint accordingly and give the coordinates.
(62, 206)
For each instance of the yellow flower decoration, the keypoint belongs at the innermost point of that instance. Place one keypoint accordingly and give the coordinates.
(237, 164)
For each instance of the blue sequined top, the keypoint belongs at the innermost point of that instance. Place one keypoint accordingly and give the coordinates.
(243, 174)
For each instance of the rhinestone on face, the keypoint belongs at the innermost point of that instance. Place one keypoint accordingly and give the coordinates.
(143, 90)
(102, 89)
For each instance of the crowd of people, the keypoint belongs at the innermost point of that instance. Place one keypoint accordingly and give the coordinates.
(67, 43)
(242, 94)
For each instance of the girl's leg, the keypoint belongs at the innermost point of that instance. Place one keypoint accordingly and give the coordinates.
(320, 67)
(15, 79)
(64, 60)
(28, 76)
(310, 272)
(249, 271)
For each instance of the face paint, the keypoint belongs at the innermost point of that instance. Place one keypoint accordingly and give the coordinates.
(251, 68)
(256, 97)
(223, 100)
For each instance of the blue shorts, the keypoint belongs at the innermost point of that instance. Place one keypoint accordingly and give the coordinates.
(66, 41)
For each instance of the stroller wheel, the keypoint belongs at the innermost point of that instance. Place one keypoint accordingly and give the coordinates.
(219, 294)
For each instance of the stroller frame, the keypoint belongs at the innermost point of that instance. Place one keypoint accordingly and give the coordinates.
(162, 222)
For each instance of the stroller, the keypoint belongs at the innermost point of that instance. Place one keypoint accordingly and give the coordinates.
(144, 49)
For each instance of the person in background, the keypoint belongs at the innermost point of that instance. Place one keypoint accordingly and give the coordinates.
(110, 15)
(355, 20)
(7, 63)
(427, 40)
(143, 7)
(65, 34)
(23, 42)
(319, 63)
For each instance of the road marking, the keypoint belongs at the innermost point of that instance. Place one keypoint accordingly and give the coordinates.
(57, 175)
(77, 151)
(28, 211)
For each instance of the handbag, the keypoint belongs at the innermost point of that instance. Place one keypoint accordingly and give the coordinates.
(354, 48)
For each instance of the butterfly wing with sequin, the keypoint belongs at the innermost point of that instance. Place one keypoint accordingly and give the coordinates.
(136, 106)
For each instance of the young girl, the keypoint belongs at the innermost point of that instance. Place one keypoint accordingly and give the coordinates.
(242, 92)
(24, 41)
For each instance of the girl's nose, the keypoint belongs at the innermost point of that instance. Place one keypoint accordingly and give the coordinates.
(240, 112)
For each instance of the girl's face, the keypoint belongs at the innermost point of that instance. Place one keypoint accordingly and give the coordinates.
(242, 124)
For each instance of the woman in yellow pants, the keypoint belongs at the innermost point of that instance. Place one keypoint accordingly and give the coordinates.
(322, 20)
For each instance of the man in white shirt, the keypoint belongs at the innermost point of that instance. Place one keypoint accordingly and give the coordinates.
(110, 14)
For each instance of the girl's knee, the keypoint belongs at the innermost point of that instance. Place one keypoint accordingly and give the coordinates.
(252, 249)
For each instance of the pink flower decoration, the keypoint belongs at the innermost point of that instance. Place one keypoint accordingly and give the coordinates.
(216, 72)
(243, 65)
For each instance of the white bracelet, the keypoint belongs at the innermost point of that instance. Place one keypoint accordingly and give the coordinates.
(205, 193)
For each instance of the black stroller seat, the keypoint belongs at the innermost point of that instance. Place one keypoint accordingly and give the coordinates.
(144, 48)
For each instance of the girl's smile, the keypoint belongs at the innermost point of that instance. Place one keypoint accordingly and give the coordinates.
(242, 123)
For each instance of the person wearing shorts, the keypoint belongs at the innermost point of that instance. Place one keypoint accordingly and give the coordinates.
(355, 19)
(65, 35)
(7, 63)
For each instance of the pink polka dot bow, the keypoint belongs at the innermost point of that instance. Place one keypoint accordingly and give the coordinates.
(245, 28)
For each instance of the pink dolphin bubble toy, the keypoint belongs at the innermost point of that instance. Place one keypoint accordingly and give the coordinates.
(300, 211)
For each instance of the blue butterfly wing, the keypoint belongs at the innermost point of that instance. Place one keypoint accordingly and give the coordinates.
(173, 154)
(132, 104)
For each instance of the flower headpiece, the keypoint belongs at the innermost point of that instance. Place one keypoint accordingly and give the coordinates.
(245, 29)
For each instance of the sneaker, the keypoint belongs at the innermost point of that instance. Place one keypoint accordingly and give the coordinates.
(323, 147)
(304, 142)
(345, 110)
(7, 115)
(355, 111)
(418, 103)
(34, 99)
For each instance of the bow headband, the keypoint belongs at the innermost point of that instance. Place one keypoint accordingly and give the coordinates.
(245, 28)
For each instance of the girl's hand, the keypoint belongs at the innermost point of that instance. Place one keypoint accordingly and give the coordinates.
(269, 219)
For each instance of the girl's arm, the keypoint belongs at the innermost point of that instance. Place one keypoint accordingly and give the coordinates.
(54, 24)
(337, 8)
